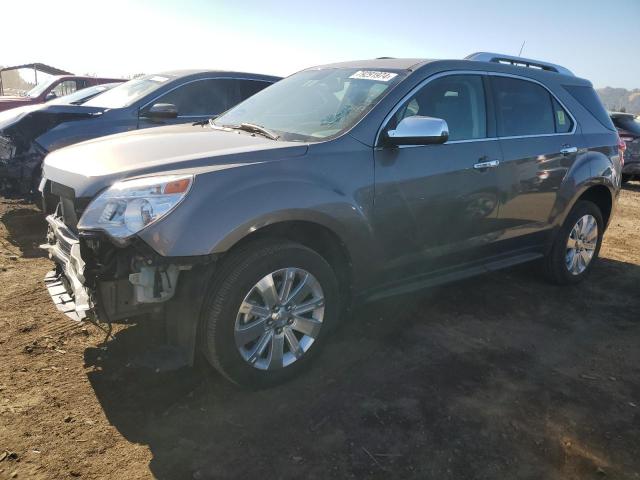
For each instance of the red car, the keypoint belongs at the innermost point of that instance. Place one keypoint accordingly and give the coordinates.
(56, 86)
(628, 126)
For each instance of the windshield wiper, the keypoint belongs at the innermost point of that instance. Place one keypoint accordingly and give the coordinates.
(208, 121)
(250, 127)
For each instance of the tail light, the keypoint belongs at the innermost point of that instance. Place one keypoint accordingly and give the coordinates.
(622, 146)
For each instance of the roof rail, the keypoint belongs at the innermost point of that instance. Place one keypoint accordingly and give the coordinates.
(518, 62)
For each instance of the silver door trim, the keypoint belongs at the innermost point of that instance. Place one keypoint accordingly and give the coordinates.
(568, 150)
(488, 164)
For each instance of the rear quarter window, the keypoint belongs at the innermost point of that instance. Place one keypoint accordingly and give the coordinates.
(589, 99)
(563, 121)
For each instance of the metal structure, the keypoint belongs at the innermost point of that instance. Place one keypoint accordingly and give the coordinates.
(36, 67)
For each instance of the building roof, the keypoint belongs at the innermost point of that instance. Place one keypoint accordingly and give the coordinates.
(40, 67)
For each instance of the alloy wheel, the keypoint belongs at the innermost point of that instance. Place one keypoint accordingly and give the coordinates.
(581, 244)
(279, 319)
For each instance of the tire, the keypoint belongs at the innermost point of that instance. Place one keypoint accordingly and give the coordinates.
(556, 263)
(236, 285)
(626, 178)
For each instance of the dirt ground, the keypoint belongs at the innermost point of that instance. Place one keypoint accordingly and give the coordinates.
(499, 377)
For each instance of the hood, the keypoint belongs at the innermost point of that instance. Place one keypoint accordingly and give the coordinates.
(90, 166)
(24, 124)
(8, 117)
(7, 102)
(14, 98)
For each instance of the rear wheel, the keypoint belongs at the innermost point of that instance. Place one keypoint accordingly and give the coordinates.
(626, 178)
(268, 312)
(576, 246)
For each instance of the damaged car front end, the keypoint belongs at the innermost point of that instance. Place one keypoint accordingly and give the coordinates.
(21, 152)
(20, 164)
(103, 271)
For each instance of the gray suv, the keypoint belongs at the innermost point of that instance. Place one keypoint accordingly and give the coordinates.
(249, 236)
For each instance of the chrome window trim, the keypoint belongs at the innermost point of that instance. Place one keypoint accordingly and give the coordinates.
(452, 142)
(197, 80)
(485, 139)
(412, 92)
(519, 77)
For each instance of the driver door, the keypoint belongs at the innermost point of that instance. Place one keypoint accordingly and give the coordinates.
(434, 207)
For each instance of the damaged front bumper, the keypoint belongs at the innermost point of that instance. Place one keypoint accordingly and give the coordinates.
(66, 283)
(93, 278)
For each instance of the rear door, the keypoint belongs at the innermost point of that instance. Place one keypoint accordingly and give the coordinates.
(433, 207)
(539, 145)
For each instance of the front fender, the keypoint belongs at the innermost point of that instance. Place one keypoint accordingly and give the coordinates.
(72, 132)
(223, 209)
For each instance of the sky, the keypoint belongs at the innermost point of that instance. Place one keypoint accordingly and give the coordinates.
(597, 40)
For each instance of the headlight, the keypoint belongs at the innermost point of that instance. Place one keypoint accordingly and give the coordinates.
(129, 206)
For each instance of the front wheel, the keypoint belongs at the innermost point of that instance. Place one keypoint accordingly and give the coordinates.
(268, 312)
(576, 246)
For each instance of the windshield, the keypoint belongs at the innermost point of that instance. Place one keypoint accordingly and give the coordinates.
(81, 96)
(313, 105)
(41, 87)
(129, 92)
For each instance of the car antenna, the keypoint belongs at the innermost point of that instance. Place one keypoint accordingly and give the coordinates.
(522, 48)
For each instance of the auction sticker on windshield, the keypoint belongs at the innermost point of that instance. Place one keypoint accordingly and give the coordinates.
(374, 75)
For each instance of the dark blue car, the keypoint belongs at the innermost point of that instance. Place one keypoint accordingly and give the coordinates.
(28, 134)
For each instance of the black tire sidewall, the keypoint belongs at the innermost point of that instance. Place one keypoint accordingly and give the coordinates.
(559, 266)
(230, 290)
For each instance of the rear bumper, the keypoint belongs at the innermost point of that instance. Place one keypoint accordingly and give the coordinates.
(66, 283)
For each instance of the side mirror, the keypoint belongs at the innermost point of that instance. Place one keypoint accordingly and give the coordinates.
(418, 130)
(162, 111)
(50, 96)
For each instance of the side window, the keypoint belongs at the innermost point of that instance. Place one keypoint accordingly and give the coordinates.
(202, 97)
(589, 99)
(563, 121)
(457, 99)
(525, 108)
(65, 88)
(251, 87)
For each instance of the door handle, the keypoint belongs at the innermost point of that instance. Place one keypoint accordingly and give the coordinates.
(488, 164)
(567, 150)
